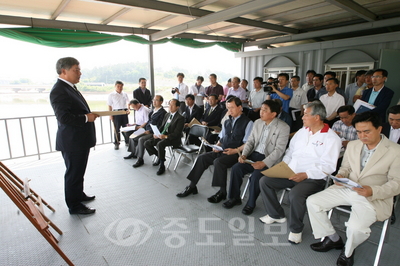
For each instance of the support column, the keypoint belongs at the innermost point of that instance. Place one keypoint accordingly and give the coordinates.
(151, 70)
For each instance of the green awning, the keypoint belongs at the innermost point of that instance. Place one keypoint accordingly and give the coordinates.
(74, 38)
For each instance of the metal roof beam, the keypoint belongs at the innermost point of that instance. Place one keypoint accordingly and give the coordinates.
(223, 15)
(59, 24)
(355, 8)
(328, 32)
(196, 12)
(60, 9)
(116, 15)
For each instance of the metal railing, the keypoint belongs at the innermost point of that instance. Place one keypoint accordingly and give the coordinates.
(36, 135)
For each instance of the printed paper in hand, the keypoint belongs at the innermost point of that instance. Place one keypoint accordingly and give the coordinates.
(345, 182)
(155, 130)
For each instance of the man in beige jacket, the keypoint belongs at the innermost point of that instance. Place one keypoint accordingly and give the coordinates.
(372, 162)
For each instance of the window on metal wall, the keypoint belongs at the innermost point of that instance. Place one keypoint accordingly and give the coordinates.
(273, 72)
(346, 73)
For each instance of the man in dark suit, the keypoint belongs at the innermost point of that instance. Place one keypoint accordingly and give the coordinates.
(192, 110)
(379, 95)
(171, 132)
(136, 145)
(142, 94)
(212, 115)
(392, 129)
(76, 132)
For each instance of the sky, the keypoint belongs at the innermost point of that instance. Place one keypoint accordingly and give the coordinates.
(37, 63)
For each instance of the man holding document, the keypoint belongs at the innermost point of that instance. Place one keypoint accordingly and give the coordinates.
(313, 152)
(265, 147)
(233, 135)
(170, 134)
(372, 162)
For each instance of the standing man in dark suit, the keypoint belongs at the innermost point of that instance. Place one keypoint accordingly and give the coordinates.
(76, 132)
(379, 95)
(142, 94)
(171, 133)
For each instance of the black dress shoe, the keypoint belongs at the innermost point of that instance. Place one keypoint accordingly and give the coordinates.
(157, 162)
(88, 198)
(231, 203)
(82, 210)
(130, 156)
(247, 210)
(138, 163)
(218, 197)
(327, 244)
(345, 261)
(188, 190)
(161, 170)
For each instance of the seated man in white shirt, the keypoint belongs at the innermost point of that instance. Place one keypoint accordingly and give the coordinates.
(332, 101)
(373, 163)
(313, 151)
(236, 90)
(141, 115)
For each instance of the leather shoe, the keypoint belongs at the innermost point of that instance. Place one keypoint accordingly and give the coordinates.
(345, 261)
(157, 162)
(130, 156)
(218, 197)
(88, 198)
(247, 210)
(82, 210)
(327, 244)
(138, 163)
(161, 170)
(231, 203)
(116, 147)
(188, 190)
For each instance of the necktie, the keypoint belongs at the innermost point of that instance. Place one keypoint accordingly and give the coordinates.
(166, 125)
(209, 112)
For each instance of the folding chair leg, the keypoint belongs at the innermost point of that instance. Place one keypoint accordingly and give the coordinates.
(170, 159)
(177, 161)
(381, 241)
(282, 196)
(245, 188)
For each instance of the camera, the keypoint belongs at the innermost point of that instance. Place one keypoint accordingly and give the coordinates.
(173, 90)
(267, 85)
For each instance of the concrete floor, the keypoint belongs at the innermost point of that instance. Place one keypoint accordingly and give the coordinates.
(140, 221)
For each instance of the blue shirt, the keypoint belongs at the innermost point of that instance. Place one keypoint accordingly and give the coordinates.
(373, 96)
(285, 103)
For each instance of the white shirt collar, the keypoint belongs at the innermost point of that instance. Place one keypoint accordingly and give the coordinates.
(69, 83)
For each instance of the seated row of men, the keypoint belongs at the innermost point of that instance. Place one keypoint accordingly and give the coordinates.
(371, 161)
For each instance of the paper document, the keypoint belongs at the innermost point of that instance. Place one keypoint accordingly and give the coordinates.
(361, 106)
(294, 111)
(137, 133)
(216, 147)
(216, 128)
(280, 170)
(155, 130)
(126, 129)
(106, 113)
(345, 182)
(194, 122)
(249, 161)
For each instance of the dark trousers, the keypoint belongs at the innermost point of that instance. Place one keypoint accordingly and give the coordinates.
(75, 162)
(161, 145)
(297, 198)
(237, 173)
(119, 121)
(296, 125)
(221, 164)
(253, 115)
(182, 107)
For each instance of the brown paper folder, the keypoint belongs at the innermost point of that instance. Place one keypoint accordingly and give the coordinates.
(194, 122)
(281, 170)
(107, 113)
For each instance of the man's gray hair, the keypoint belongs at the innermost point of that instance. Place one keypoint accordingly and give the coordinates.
(317, 109)
(65, 63)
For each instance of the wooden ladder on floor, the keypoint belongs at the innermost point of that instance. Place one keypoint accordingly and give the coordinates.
(16, 190)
